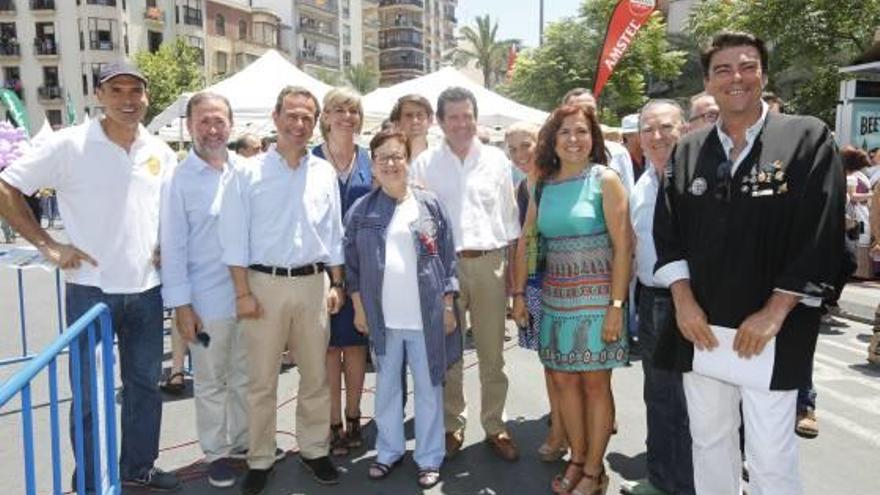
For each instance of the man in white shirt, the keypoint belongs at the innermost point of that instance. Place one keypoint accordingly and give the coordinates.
(281, 230)
(196, 283)
(107, 174)
(474, 184)
(669, 465)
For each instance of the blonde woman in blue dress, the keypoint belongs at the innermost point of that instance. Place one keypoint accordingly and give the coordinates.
(580, 209)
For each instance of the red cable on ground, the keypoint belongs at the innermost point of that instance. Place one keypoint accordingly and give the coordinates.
(195, 470)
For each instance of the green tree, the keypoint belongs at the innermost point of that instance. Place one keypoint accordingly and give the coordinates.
(808, 40)
(362, 78)
(173, 69)
(327, 76)
(568, 57)
(482, 46)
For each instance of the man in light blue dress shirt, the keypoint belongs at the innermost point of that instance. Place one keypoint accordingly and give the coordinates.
(197, 284)
(281, 230)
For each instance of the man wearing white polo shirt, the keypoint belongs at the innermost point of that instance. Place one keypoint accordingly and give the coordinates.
(107, 175)
(197, 284)
(474, 183)
(281, 230)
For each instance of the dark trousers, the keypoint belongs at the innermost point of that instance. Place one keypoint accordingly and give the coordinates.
(137, 322)
(670, 466)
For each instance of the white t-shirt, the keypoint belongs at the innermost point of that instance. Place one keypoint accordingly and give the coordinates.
(400, 285)
(108, 200)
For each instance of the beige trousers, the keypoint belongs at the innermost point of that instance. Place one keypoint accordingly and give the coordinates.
(484, 295)
(294, 316)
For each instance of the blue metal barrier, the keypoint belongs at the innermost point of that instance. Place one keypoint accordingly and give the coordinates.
(24, 354)
(106, 480)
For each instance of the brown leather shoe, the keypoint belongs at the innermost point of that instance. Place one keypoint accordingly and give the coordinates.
(454, 439)
(503, 446)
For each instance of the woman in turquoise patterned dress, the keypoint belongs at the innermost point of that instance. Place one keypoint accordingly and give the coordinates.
(580, 209)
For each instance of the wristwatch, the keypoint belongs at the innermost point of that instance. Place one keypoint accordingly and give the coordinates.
(615, 303)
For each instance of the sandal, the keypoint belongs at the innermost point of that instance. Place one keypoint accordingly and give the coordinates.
(355, 439)
(171, 386)
(379, 471)
(428, 477)
(338, 442)
(597, 484)
(546, 453)
(564, 484)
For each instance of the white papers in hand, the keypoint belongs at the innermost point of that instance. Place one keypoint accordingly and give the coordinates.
(723, 363)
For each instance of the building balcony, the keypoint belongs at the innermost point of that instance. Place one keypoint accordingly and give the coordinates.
(16, 87)
(154, 15)
(402, 65)
(103, 45)
(371, 46)
(259, 42)
(310, 57)
(317, 31)
(390, 44)
(105, 3)
(45, 47)
(324, 6)
(10, 49)
(50, 93)
(404, 24)
(7, 7)
(191, 16)
(404, 3)
(42, 4)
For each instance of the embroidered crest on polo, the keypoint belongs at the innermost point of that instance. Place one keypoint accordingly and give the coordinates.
(153, 165)
(698, 186)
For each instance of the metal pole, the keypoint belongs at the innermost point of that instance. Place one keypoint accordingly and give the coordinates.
(541, 23)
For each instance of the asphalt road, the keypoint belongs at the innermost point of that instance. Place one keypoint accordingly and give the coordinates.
(842, 460)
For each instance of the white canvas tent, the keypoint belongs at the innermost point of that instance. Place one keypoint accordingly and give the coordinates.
(252, 93)
(493, 109)
(43, 134)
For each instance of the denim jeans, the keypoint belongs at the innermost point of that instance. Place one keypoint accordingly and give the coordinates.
(390, 441)
(137, 322)
(806, 397)
(670, 466)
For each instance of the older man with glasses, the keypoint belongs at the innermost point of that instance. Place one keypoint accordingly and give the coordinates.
(703, 112)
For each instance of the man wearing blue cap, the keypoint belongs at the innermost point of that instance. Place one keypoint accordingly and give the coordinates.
(107, 174)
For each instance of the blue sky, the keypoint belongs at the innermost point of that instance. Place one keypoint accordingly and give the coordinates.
(516, 18)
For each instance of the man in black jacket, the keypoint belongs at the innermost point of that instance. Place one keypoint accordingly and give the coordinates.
(747, 232)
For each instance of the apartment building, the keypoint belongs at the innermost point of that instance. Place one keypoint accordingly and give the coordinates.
(414, 36)
(51, 50)
(237, 34)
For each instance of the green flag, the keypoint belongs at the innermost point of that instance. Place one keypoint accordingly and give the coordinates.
(71, 112)
(13, 104)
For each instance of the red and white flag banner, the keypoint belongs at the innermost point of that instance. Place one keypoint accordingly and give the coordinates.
(625, 22)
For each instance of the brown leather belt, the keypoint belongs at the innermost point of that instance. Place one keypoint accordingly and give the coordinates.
(475, 253)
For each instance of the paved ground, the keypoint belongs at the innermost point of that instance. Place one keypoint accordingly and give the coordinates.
(839, 461)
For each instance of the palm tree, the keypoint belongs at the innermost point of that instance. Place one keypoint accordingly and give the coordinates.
(481, 45)
(362, 78)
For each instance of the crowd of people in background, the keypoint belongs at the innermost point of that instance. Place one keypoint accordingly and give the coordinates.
(332, 254)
